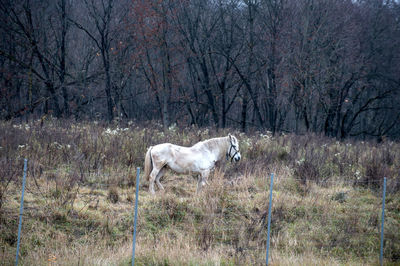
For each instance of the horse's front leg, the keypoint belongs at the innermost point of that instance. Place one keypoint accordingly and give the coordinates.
(202, 180)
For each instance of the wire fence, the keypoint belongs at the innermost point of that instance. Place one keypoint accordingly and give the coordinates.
(108, 173)
(218, 224)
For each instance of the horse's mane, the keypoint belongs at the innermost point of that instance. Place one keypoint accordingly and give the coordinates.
(211, 143)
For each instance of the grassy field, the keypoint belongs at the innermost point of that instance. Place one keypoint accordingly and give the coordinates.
(80, 195)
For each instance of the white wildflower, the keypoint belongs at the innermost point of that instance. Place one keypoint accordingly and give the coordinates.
(108, 131)
(58, 145)
(358, 175)
(172, 127)
(246, 142)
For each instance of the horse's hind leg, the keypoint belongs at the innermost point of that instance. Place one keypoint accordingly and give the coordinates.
(159, 175)
(153, 176)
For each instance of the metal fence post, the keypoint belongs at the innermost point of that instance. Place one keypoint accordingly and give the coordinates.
(269, 215)
(21, 209)
(135, 220)
(383, 220)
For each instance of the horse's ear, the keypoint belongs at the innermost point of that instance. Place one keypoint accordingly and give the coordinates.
(230, 136)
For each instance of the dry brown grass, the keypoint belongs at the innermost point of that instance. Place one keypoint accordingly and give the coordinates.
(80, 195)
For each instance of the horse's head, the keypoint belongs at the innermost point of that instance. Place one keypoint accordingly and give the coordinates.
(233, 150)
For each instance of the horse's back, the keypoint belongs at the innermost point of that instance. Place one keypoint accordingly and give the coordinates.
(167, 152)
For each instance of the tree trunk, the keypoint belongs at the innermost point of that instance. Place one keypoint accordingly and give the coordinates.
(110, 107)
(63, 56)
(244, 112)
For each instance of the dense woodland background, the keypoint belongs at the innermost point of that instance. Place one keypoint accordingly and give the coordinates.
(328, 67)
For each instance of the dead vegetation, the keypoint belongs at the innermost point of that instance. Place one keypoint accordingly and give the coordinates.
(80, 194)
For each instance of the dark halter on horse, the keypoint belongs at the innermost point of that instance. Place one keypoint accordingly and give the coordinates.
(229, 152)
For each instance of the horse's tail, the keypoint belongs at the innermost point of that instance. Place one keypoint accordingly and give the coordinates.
(148, 164)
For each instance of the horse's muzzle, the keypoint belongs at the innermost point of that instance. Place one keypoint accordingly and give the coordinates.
(237, 158)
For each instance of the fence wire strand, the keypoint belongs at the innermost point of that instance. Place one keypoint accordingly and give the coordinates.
(128, 172)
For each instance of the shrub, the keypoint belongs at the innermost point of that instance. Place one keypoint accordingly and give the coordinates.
(113, 195)
(305, 171)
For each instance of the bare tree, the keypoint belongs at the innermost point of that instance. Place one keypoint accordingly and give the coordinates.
(328, 67)
(100, 13)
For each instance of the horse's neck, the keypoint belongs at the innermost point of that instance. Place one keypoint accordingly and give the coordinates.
(219, 146)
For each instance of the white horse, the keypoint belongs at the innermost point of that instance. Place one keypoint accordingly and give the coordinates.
(200, 159)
